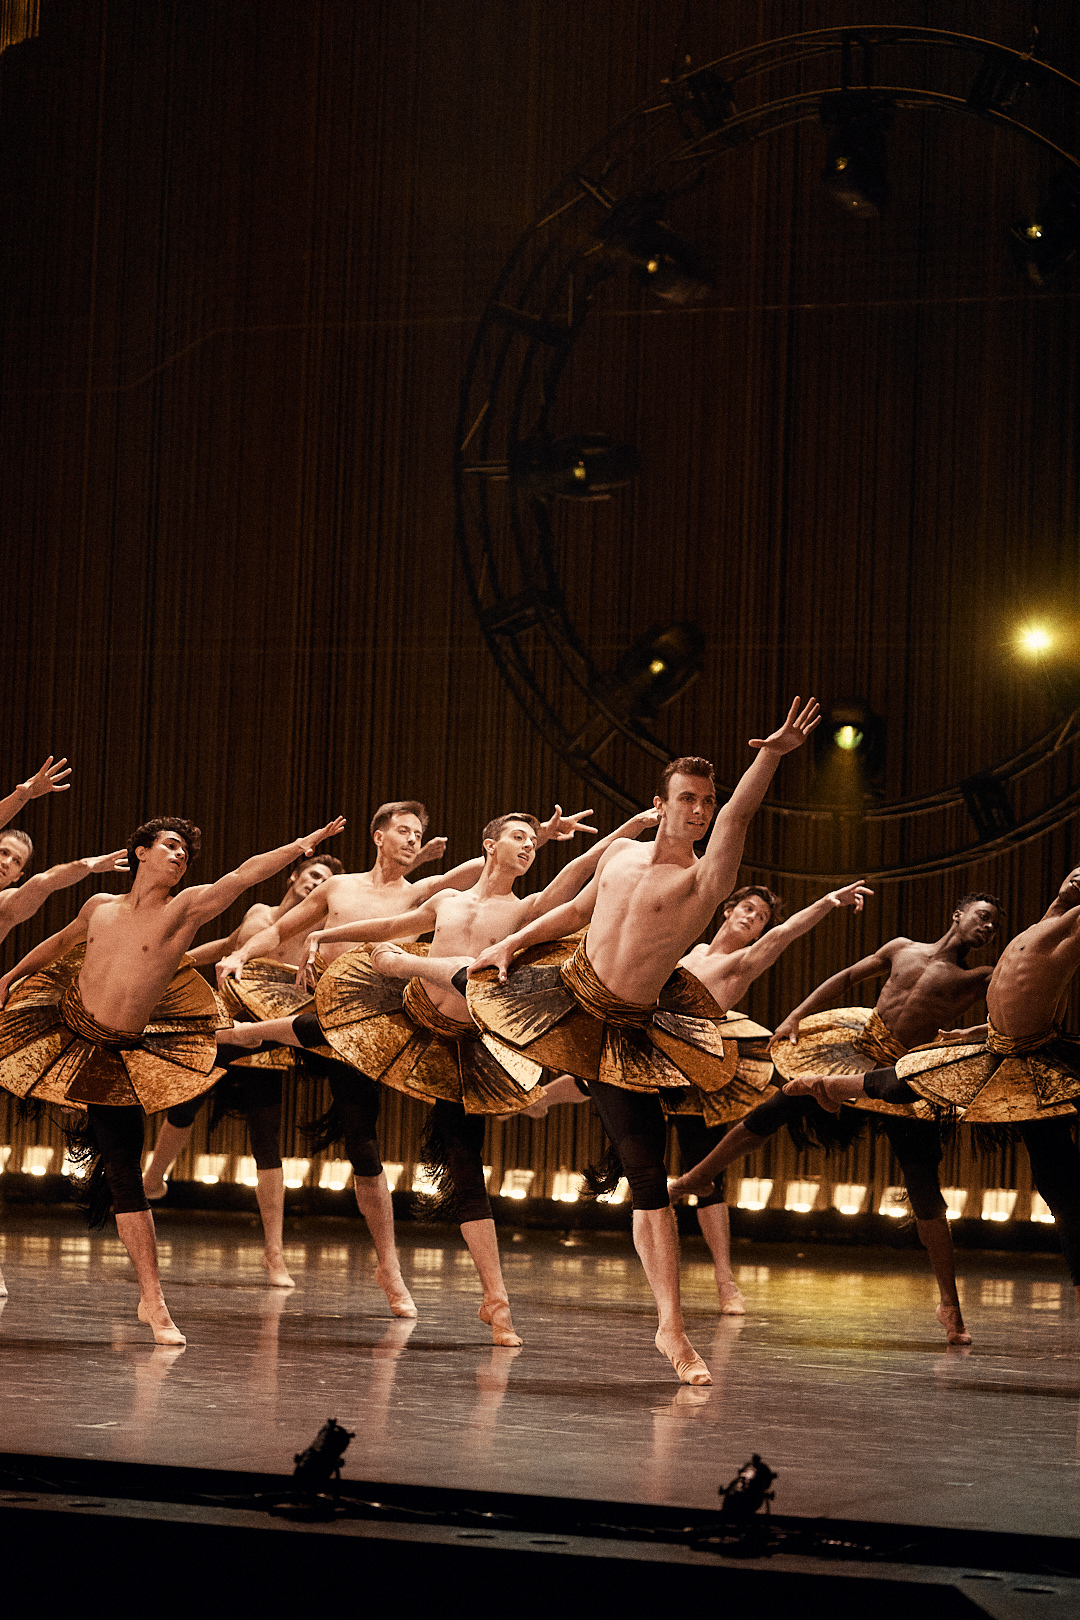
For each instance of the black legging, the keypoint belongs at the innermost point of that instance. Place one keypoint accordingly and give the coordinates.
(118, 1134)
(456, 1148)
(356, 1098)
(1055, 1170)
(695, 1140)
(915, 1142)
(260, 1092)
(637, 1130)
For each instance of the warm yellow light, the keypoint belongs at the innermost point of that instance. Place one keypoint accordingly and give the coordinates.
(848, 738)
(1035, 638)
(657, 667)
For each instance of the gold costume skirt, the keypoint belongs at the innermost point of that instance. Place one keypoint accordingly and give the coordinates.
(268, 990)
(750, 1082)
(53, 1051)
(1000, 1081)
(393, 1032)
(554, 1010)
(847, 1040)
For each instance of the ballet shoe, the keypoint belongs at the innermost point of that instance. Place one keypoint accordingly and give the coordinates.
(164, 1333)
(398, 1297)
(502, 1334)
(277, 1275)
(690, 1368)
(731, 1299)
(951, 1321)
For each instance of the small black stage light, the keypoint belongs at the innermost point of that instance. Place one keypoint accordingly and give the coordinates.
(849, 748)
(1044, 243)
(320, 1465)
(657, 669)
(662, 261)
(585, 467)
(747, 1493)
(856, 168)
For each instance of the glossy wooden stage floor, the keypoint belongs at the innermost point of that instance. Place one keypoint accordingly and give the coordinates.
(838, 1374)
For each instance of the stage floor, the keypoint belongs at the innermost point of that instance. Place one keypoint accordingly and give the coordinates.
(838, 1375)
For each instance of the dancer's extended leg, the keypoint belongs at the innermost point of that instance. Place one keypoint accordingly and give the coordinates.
(483, 1245)
(696, 1139)
(394, 963)
(459, 1139)
(118, 1133)
(356, 1099)
(917, 1146)
(172, 1139)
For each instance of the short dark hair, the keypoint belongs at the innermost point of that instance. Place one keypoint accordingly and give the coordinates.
(686, 765)
(331, 861)
(494, 828)
(385, 814)
(975, 897)
(143, 838)
(773, 901)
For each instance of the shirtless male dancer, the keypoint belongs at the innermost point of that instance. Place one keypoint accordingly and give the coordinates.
(260, 1087)
(397, 830)
(928, 986)
(135, 943)
(1025, 1001)
(647, 905)
(744, 946)
(463, 923)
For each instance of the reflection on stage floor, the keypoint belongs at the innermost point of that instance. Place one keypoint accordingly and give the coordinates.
(838, 1375)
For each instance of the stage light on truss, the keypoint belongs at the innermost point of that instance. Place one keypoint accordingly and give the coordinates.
(516, 1183)
(247, 1171)
(583, 467)
(848, 1197)
(334, 1174)
(955, 1202)
(754, 1193)
(998, 1203)
(801, 1196)
(849, 752)
(656, 670)
(1040, 1210)
(210, 1167)
(1044, 242)
(662, 261)
(894, 1203)
(856, 171)
(36, 1161)
(566, 1187)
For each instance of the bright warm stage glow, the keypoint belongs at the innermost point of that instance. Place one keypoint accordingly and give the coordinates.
(849, 738)
(1034, 639)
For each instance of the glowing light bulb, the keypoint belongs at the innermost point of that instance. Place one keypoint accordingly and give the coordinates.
(848, 738)
(1035, 638)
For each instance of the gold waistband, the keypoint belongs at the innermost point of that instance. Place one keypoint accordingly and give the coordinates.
(423, 1011)
(78, 1020)
(597, 999)
(1016, 1045)
(879, 1040)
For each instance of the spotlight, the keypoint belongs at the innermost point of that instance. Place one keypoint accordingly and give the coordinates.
(848, 737)
(657, 669)
(856, 168)
(661, 260)
(1045, 242)
(321, 1462)
(1034, 639)
(586, 467)
(852, 740)
(747, 1492)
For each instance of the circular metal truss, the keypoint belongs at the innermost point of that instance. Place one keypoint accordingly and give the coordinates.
(526, 336)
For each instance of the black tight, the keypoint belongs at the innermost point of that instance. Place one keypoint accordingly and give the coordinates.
(118, 1134)
(1055, 1170)
(695, 1140)
(637, 1130)
(356, 1098)
(260, 1092)
(457, 1141)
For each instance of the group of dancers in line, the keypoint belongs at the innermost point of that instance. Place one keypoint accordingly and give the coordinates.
(593, 987)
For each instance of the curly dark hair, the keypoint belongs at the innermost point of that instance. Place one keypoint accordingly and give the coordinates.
(773, 901)
(143, 837)
(974, 898)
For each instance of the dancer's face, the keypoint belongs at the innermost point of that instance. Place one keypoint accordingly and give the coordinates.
(166, 858)
(748, 918)
(309, 879)
(689, 807)
(515, 847)
(13, 858)
(400, 840)
(978, 922)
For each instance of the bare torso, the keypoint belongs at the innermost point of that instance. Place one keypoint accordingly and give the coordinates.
(648, 910)
(132, 953)
(356, 894)
(467, 924)
(1030, 982)
(926, 990)
(726, 975)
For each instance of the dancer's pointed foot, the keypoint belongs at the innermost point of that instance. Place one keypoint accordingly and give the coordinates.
(277, 1272)
(398, 1297)
(951, 1320)
(496, 1314)
(683, 1357)
(818, 1086)
(157, 1318)
(731, 1299)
